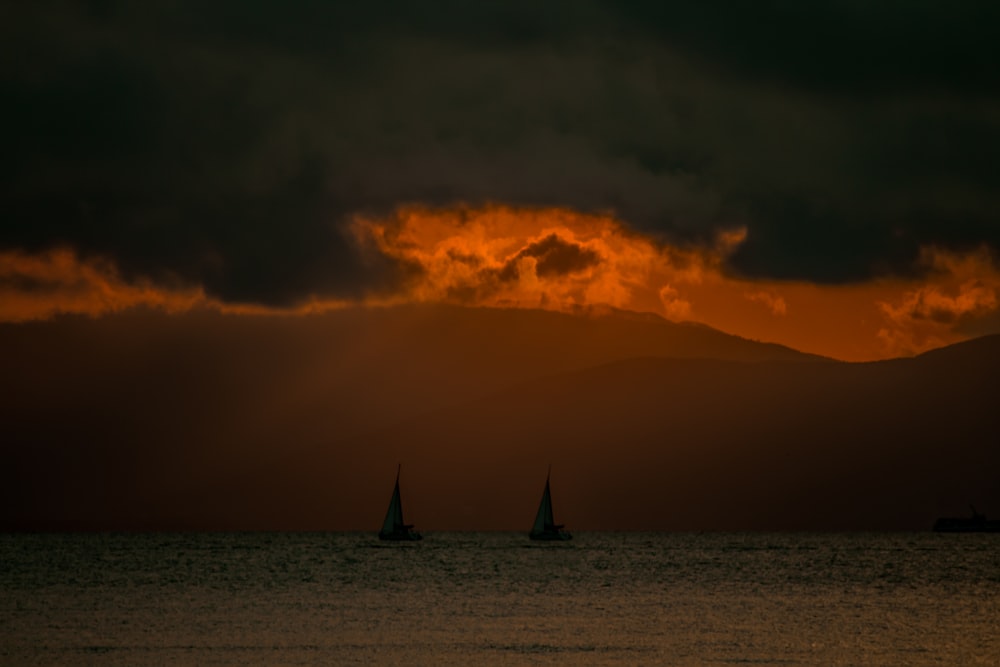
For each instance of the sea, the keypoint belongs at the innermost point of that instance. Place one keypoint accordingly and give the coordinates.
(499, 599)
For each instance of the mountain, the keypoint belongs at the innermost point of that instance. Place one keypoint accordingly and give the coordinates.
(145, 420)
(707, 444)
(362, 366)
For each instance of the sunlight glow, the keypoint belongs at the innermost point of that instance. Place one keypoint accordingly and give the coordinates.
(558, 259)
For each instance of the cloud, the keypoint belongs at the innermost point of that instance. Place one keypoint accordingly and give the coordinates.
(674, 307)
(36, 287)
(772, 302)
(59, 282)
(491, 257)
(928, 46)
(962, 290)
(231, 147)
(557, 259)
(971, 299)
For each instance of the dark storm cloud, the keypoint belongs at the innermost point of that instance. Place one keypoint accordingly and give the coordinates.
(229, 143)
(554, 257)
(850, 45)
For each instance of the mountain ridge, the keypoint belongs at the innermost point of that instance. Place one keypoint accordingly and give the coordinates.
(882, 428)
(216, 422)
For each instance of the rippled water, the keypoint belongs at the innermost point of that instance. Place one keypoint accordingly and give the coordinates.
(497, 598)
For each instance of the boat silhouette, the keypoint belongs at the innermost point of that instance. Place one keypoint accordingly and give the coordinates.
(545, 526)
(977, 523)
(394, 528)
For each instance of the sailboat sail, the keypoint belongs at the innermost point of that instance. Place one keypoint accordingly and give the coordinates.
(544, 519)
(394, 515)
(545, 526)
(394, 528)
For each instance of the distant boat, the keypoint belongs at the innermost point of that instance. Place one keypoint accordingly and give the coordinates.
(394, 528)
(977, 523)
(545, 527)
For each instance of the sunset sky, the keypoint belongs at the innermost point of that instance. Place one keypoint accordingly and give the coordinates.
(253, 255)
(822, 177)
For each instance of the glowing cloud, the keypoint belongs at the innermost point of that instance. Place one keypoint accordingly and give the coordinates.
(674, 307)
(558, 259)
(40, 286)
(541, 258)
(774, 303)
(960, 288)
(57, 282)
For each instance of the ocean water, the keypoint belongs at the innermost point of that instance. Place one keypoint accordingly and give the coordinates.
(497, 598)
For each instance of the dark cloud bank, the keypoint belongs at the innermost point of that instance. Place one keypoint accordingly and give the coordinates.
(227, 143)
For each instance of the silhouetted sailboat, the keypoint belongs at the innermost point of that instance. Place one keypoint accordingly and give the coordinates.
(545, 527)
(393, 528)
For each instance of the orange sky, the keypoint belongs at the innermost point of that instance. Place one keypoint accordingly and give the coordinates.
(559, 259)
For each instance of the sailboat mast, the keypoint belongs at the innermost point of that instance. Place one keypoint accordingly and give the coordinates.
(549, 514)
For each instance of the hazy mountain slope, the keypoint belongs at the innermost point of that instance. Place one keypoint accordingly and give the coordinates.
(696, 444)
(359, 366)
(213, 422)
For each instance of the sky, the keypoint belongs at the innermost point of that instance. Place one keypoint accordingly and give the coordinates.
(821, 175)
(254, 254)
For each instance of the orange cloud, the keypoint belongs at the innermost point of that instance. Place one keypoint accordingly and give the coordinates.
(55, 282)
(960, 288)
(559, 259)
(773, 302)
(674, 307)
(540, 258)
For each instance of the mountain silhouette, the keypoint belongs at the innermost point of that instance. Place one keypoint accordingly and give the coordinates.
(695, 444)
(144, 420)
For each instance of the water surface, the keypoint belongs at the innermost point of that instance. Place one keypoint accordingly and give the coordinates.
(498, 598)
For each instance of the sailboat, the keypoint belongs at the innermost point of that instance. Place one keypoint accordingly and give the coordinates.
(545, 527)
(393, 528)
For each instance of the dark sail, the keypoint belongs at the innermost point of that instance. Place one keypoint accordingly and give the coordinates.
(394, 528)
(545, 526)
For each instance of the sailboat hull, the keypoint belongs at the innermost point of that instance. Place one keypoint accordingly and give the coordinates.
(560, 536)
(408, 536)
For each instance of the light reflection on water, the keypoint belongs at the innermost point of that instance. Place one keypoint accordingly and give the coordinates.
(497, 598)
